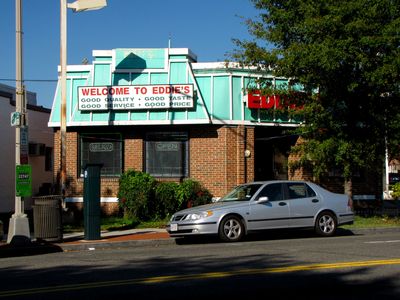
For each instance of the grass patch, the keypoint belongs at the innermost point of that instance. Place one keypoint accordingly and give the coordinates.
(374, 221)
(115, 223)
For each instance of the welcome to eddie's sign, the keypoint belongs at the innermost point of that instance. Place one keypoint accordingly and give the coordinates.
(134, 97)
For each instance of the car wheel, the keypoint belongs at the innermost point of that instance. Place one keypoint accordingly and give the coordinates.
(231, 229)
(325, 224)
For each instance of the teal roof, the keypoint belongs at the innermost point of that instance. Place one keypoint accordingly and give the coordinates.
(218, 89)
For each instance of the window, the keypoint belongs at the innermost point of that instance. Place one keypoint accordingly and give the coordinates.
(300, 190)
(241, 193)
(105, 149)
(48, 161)
(272, 191)
(310, 191)
(167, 154)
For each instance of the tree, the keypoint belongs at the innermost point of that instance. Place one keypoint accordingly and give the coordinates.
(346, 56)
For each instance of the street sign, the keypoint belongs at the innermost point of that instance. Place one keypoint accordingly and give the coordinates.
(16, 118)
(24, 145)
(23, 176)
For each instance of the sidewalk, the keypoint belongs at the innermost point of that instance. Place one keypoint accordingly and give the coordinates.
(76, 242)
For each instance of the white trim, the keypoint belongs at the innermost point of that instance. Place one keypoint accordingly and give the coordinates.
(177, 122)
(102, 53)
(102, 200)
(133, 122)
(242, 103)
(183, 51)
(230, 97)
(76, 68)
(240, 122)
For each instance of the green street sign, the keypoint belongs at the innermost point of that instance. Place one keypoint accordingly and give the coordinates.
(23, 180)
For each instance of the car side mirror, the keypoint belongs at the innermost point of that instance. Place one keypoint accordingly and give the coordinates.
(262, 199)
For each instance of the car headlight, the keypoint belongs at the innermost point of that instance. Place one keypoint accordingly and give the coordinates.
(198, 216)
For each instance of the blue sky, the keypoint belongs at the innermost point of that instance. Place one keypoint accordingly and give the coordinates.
(206, 27)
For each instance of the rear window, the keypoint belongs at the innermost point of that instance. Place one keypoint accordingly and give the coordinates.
(300, 190)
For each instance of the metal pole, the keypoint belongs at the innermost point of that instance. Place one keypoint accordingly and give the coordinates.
(19, 91)
(18, 231)
(63, 110)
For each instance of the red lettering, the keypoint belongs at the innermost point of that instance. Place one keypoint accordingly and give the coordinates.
(85, 92)
(93, 92)
(254, 100)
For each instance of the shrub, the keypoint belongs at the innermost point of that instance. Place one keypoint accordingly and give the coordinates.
(396, 190)
(192, 193)
(142, 198)
(166, 202)
(136, 194)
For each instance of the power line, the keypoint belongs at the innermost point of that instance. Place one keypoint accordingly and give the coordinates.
(30, 80)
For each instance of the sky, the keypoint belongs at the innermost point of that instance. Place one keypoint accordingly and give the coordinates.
(206, 27)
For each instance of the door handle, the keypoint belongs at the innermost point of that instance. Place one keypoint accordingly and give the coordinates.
(282, 203)
(314, 200)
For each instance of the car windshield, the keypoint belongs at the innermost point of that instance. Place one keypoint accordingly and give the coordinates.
(241, 193)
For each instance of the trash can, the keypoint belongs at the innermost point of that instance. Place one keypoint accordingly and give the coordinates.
(47, 218)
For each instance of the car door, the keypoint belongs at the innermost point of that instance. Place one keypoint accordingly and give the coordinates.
(273, 213)
(303, 204)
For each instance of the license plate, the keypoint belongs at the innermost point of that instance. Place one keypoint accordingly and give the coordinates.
(174, 227)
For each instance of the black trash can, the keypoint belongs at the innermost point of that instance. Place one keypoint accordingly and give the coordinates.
(47, 218)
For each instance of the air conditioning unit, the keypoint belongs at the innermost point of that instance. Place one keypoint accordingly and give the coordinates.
(37, 149)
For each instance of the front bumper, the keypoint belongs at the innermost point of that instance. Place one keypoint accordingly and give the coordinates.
(176, 229)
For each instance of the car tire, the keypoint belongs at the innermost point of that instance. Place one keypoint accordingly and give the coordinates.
(325, 224)
(231, 229)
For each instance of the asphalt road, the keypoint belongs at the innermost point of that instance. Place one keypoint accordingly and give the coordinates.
(289, 264)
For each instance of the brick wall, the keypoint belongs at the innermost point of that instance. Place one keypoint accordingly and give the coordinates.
(217, 159)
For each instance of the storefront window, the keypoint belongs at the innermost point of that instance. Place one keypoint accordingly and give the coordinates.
(105, 149)
(167, 154)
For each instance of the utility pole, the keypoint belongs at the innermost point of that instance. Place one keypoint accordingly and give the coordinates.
(19, 226)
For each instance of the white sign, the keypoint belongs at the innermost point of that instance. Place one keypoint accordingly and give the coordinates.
(135, 97)
(15, 118)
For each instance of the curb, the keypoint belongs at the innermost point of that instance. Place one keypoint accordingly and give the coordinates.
(101, 245)
(374, 230)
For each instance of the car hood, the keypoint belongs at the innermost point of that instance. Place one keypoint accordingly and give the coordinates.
(212, 206)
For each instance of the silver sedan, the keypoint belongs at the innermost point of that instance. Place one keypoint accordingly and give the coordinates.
(265, 205)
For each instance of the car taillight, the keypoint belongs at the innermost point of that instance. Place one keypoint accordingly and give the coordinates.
(350, 203)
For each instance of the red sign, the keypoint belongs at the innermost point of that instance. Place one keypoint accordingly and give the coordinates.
(256, 100)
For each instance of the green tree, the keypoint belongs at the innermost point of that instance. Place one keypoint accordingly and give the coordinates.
(346, 56)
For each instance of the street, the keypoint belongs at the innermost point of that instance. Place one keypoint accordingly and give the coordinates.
(350, 266)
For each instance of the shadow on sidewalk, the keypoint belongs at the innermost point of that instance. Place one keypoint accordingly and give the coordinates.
(32, 248)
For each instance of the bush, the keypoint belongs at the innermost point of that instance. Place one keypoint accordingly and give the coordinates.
(136, 194)
(192, 193)
(166, 202)
(396, 190)
(142, 198)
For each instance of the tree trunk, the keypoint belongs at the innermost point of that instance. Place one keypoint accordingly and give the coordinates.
(348, 187)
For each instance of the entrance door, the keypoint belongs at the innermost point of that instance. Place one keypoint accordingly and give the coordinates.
(263, 161)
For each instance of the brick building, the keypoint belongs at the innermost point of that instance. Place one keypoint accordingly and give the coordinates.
(162, 112)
